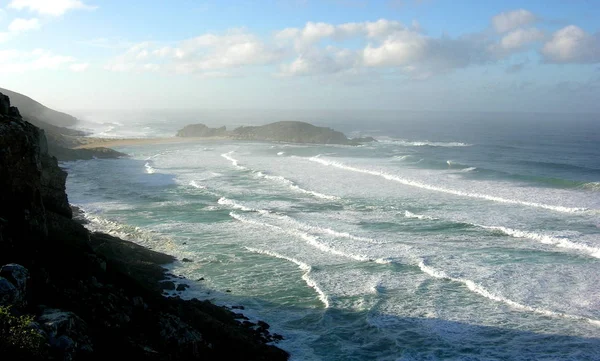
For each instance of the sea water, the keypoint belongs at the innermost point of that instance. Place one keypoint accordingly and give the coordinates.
(471, 238)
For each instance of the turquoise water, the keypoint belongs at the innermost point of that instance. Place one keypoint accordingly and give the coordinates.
(428, 245)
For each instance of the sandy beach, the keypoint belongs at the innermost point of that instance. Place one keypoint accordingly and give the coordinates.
(109, 143)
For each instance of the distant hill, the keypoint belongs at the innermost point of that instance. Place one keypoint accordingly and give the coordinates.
(285, 131)
(33, 111)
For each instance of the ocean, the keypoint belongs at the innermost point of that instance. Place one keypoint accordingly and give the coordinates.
(457, 236)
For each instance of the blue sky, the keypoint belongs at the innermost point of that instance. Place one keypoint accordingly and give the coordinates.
(537, 55)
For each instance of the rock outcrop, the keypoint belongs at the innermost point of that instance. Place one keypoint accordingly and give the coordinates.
(201, 130)
(286, 131)
(92, 296)
(33, 110)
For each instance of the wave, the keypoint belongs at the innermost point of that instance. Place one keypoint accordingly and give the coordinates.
(233, 161)
(593, 186)
(305, 275)
(293, 186)
(469, 169)
(408, 214)
(279, 179)
(425, 143)
(149, 168)
(309, 239)
(196, 185)
(280, 153)
(546, 239)
(480, 290)
(418, 184)
(300, 225)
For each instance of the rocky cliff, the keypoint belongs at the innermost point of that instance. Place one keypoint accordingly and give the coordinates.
(76, 295)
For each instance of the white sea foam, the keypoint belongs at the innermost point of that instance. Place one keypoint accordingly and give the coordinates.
(280, 153)
(470, 169)
(418, 184)
(196, 185)
(233, 161)
(409, 214)
(297, 224)
(593, 186)
(407, 143)
(403, 157)
(149, 168)
(278, 179)
(308, 238)
(476, 288)
(547, 239)
(305, 269)
(293, 186)
(233, 204)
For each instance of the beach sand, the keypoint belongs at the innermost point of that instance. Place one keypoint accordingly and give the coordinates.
(108, 142)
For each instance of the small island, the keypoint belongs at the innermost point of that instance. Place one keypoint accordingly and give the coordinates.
(284, 131)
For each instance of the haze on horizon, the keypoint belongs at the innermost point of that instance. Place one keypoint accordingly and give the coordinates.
(522, 56)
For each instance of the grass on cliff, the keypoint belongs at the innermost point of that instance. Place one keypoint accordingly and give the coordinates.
(18, 339)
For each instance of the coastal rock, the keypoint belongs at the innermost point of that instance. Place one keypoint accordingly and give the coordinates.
(201, 130)
(8, 292)
(67, 333)
(285, 131)
(18, 276)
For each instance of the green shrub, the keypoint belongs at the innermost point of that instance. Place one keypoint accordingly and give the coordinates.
(18, 339)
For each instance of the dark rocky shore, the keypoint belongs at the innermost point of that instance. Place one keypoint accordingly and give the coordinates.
(68, 294)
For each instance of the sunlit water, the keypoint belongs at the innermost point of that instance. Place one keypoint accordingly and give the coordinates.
(462, 242)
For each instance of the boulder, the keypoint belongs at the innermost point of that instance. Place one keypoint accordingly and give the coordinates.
(18, 276)
(8, 292)
(67, 333)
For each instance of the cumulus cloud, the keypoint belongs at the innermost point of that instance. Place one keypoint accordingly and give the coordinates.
(312, 32)
(50, 7)
(20, 25)
(572, 44)
(518, 38)
(16, 61)
(203, 54)
(511, 20)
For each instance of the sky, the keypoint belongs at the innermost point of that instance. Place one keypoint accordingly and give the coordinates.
(432, 55)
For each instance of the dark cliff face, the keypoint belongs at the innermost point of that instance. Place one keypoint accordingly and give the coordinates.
(95, 296)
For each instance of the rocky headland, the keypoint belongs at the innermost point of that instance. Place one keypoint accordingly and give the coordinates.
(284, 131)
(69, 294)
(62, 141)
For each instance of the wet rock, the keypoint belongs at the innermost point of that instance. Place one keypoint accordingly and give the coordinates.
(182, 287)
(167, 285)
(186, 260)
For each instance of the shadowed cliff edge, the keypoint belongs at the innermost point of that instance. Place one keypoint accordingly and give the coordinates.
(91, 296)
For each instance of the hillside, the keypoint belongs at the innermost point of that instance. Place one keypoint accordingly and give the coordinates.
(285, 131)
(34, 111)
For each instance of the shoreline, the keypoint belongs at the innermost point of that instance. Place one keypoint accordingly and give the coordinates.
(90, 143)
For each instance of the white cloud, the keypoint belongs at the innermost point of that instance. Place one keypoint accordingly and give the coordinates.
(312, 32)
(330, 60)
(79, 67)
(511, 20)
(49, 7)
(16, 61)
(400, 49)
(20, 25)
(202, 54)
(572, 44)
(518, 38)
